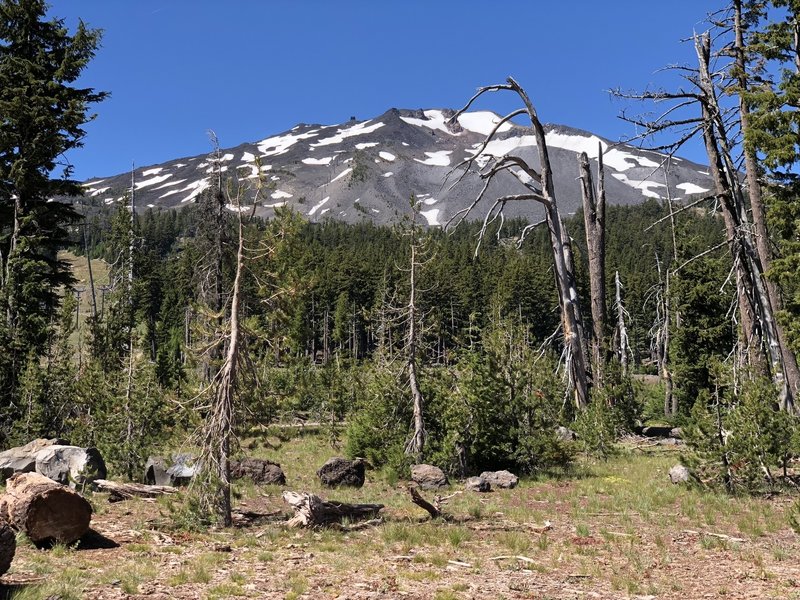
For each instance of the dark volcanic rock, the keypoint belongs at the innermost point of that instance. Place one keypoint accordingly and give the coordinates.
(260, 471)
(428, 477)
(341, 471)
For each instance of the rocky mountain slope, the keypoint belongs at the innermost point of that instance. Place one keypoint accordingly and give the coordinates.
(370, 169)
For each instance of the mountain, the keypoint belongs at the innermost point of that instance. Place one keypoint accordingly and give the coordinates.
(370, 169)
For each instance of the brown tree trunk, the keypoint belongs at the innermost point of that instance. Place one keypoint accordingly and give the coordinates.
(791, 369)
(594, 214)
(8, 546)
(750, 274)
(44, 510)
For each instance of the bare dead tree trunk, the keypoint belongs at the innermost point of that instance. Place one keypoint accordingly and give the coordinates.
(623, 348)
(539, 188)
(594, 215)
(791, 369)
(750, 271)
(129, 433)
(416, 444)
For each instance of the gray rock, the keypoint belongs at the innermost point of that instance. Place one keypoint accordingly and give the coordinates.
(565, 435)
(175, 471)
(71, 465)
(428, 477)
(477, 484)
(341, 471)
(23, 458)
(679, 474)
(676, 432)
(260, 471)
(501, 479)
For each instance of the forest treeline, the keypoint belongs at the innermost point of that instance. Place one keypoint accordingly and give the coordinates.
(215, 323)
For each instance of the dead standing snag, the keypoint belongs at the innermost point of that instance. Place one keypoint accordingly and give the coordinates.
(538, 187)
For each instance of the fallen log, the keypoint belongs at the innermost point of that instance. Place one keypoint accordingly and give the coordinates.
(434, 512)
(44, 510)
(313, 511)
(8, 546)
(123, 491)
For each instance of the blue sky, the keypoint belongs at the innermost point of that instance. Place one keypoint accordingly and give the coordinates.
(248, 69)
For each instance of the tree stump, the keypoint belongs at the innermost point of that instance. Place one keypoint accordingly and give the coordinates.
(44, 510)
(313, 511)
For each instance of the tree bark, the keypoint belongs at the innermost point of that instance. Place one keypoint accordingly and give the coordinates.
(416, 444)
(791, 369)
(124, 491)
(44, 510)
(8, 546)
(750, 271)
(622, 330)
(594, 209)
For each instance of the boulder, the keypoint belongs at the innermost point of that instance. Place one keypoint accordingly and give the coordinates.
(477, 484)
(428, 477)
(341, 471)
(71, 465)
(676, 432)
(501, 479)
(176, 471)
(679, 474)
(23, 458)
(260, 471)
(564, 434)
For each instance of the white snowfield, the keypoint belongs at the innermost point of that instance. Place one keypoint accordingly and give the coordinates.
(431, 216)
(279, 195)
(617, 159)
(280, 144)
(154, 171)
(342, 174)
(316, 207)
(482, 122)
(387, 156)
(440, 158)
(152, 181)
(317, 161)
(347, 132)
(640, 184)
(691, 188)
(365, 145)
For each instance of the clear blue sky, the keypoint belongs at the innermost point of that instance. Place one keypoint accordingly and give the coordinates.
(251, 68)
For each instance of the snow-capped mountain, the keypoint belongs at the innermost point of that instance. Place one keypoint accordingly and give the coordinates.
(371, 169)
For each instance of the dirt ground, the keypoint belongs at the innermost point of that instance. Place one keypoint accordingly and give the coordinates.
(606, 535)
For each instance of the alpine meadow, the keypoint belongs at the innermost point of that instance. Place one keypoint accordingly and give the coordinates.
(453, 352)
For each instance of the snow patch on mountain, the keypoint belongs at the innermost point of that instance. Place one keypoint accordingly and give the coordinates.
(316, 207)
(387, 156)
(643, 185)
(280, 144)
(347, 132)
(482, 122)
(317, 161)
(691, 188)
(440, 158)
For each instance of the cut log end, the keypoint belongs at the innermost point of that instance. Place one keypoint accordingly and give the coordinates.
(8, 546)
(44, 510)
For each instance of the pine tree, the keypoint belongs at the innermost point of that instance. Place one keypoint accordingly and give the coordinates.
(42, 115)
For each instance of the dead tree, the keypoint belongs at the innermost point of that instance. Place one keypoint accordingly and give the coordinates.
(416, 444)
(623, 347)
(758, 327)
(729, 189)
(594, 217)
(757, 208)
(313, 511)
(537, 187)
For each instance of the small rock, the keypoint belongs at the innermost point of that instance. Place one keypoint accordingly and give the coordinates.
(428, 477)
(679, 474)
(259, 470)
(477, 484)
(676, 432)
(564, 434)
(501, 479)
(341, 471)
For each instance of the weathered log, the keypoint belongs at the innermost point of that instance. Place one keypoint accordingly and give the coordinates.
(8, 546)
(123, 491)
(44, 510)
(313, 511)
(434, 512)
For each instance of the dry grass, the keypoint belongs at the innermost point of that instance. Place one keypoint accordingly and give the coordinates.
(619, 530)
